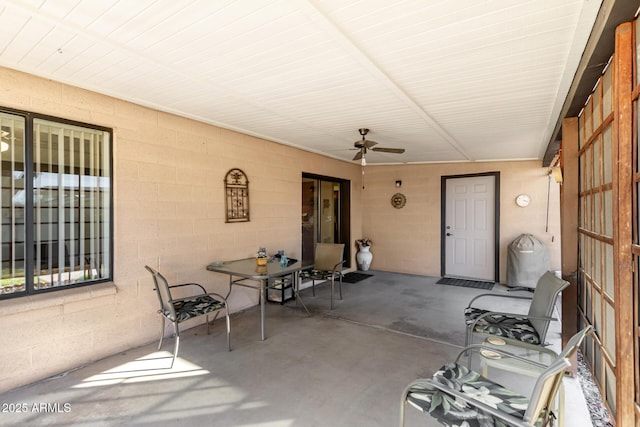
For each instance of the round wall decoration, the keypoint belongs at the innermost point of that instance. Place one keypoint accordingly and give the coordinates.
(398, 200)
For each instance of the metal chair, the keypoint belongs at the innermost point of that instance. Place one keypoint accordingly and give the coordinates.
(528, 330)
(177, 310)
(504, 359)
(327, 265)
(458, 396)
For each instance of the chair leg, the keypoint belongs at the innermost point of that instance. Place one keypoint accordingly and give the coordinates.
(161, 332)
(207, 317)
(403, 406)
(332, 283)
(313, 287)
(177, 344)
(228, 328)
(560, 409)
(340, 285)
(467, 338)
(467, 341)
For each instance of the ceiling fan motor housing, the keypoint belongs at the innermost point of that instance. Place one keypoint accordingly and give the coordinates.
(365, 144)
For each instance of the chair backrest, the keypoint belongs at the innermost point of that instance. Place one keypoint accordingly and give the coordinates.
(544, 299)
(163, 292)
(327, 256)
(545, 390)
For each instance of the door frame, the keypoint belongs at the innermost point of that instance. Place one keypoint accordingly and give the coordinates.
(496, 217)
(344, 230)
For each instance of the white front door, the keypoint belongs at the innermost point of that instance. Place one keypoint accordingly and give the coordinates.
(469, 227)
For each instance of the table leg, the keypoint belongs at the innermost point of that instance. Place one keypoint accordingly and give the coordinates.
(230, 285)
(296, 287)
(263, 292)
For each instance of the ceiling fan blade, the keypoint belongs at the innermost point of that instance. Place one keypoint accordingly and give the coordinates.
(389, 150)
(358, 155)
(369, 144)
(364, 143)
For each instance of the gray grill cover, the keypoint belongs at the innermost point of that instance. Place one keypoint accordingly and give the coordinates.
(527, 261)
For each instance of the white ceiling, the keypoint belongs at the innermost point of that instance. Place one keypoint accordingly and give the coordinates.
(464, 80)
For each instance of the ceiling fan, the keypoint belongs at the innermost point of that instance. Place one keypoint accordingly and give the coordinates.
(364, 145)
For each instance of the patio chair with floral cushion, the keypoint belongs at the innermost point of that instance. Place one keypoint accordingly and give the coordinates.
(457, 396)
(517, 329)
(327, 265)
(177, 310)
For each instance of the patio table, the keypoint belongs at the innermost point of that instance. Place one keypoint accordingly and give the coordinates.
(246, 272)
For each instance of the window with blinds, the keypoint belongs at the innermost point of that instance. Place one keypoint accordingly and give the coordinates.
(56, 204)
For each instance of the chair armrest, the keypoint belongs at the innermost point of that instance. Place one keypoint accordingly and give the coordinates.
(204, 291)
(498, 296)
(509, 419)
(335, 267)
(218, 296)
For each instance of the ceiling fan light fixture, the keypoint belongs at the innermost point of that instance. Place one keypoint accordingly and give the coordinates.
(363, 162)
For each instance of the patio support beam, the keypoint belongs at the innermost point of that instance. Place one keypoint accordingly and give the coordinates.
(569, 230)
(623, 232)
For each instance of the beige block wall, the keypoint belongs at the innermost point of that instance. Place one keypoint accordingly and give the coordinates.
(408, 240)
(169, 213)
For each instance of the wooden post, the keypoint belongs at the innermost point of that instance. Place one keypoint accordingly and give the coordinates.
(623, 230)
(569, 230)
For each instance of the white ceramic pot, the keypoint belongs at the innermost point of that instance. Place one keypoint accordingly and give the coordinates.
(364, 257)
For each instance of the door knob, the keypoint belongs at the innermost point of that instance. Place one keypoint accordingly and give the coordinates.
(449, 234)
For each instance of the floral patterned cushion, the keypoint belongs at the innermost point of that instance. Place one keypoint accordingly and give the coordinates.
(517, 328)
(451, 412)
(318, 274)
(193, 307)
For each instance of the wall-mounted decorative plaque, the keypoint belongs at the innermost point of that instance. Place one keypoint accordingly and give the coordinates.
(236, 188)
(398, 200)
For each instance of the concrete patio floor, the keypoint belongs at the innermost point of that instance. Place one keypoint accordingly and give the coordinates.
(345, 367)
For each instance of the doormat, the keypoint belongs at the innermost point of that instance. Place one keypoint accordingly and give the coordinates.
(465, 283)
(355, 277)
